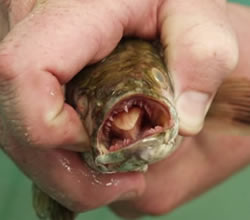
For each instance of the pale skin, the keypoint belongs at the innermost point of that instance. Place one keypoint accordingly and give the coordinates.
(49, 41)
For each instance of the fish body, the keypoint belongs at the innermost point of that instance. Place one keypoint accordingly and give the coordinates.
(127, 107)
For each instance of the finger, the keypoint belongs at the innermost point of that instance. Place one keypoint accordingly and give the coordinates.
(188, 173)
(201, 50)
(63, 175)
(45, 50)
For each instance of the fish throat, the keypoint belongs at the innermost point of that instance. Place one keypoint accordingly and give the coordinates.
(133, 119)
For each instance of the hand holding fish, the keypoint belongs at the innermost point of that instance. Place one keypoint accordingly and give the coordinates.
(50, 41)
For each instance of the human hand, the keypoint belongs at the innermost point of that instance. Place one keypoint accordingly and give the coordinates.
(204, 160)
(48, 34)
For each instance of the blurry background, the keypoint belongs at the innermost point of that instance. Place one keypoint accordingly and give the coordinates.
(228, 201)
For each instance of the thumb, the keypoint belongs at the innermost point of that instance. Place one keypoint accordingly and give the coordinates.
(32, 72)
(201, 51)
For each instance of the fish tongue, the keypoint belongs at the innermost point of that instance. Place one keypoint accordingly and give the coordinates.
(127, 125)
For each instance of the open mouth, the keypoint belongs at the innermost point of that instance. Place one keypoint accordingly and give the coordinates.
(133, 119)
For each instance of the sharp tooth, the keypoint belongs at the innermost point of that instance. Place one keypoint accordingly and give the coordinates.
(106, 130)
(111, 118)
(108, 124)
(158, 128)
(126, 141)
(141, 104)
(148, 110)
(146, 106)
(126, 108)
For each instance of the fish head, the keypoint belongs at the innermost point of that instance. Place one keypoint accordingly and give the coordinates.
(126, 104)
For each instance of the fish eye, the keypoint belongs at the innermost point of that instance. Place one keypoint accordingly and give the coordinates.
(159, 77)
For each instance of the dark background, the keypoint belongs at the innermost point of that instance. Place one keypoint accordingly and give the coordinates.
(228, 201)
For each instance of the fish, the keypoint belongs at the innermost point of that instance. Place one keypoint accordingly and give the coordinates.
(126, 103)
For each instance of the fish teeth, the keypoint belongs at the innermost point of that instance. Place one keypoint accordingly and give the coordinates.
(158, 128)
(126, 108)
(119, 110)
(129, 104)
(108, 123)
(107, 127)
(126, 142)
(148, 110)
(106, 130)
(140, 104)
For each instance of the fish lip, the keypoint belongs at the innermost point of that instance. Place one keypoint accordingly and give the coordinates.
(136, 157)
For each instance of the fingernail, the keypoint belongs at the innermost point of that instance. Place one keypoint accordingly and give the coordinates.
(192, 107)
(127, 196)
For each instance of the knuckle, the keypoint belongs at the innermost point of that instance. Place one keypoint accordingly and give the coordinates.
(221, 53)
(205, 60)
